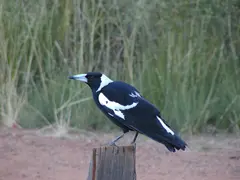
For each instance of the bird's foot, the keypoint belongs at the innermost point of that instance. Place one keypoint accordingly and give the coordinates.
(110, 144)
(133, 143)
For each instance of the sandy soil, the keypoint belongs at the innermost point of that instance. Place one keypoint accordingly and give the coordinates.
(27, 155)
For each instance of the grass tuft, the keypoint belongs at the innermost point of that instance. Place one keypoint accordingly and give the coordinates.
(183, 56)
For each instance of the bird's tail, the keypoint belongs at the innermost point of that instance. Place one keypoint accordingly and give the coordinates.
(175, 143)
(167, 137)
(172, 143)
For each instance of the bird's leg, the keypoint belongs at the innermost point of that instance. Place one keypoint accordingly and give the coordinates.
(135, 138)
(112, 143)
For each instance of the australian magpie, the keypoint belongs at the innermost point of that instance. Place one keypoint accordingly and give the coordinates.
(128, 109)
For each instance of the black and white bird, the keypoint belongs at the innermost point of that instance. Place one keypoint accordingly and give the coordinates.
(125, 106)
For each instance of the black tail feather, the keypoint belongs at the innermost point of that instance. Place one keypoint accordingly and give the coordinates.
(168, 137)
(173, 148)
(175, 143)
(172, 142)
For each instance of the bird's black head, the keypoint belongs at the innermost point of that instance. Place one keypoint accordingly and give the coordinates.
(95, 80)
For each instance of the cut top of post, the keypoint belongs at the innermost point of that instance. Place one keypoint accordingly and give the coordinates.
(113, 163)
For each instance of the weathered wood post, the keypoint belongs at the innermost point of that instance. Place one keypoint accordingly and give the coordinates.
(113, 163)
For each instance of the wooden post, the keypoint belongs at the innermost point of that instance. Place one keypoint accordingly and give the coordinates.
(113, 163)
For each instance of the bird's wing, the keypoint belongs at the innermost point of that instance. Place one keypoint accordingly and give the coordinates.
(117, 97)
(121, 92)
(123, 101)
(131, 109)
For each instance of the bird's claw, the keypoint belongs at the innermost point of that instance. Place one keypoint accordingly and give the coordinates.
(110, 144)
(133, 142)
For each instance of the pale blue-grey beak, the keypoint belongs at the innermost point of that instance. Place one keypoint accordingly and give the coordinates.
(79, 77)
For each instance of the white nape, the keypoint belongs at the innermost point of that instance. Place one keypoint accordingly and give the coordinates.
(116, 107)
(165, 126)
(104, 81)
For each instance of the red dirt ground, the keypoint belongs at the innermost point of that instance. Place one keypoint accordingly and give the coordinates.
(24, 154)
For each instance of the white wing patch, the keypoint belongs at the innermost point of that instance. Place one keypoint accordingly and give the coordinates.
(119, 114)
(104, 81)
(165, 126)
(135, 94)
(116, 107)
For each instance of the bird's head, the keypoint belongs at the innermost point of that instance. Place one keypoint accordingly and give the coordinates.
(95, 80)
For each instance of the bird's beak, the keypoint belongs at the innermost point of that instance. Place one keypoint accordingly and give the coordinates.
(80, 77)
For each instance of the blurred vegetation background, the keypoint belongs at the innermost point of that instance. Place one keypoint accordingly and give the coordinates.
(182, 55)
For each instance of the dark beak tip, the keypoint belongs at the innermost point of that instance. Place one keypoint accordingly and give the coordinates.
(70, 77)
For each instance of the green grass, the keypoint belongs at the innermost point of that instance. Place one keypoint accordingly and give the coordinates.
(183, 57)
